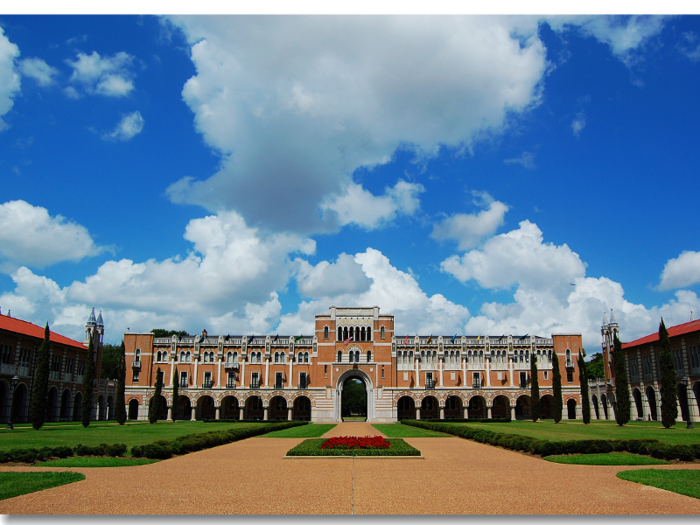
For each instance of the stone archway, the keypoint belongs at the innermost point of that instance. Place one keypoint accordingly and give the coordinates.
(369, 387)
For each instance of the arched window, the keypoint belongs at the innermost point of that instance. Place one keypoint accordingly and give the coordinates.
(527, 356)
(137, 357)
(260, 359)
(165, 356)
(351, 356)
(189, 357)
(277, 357)
(340, 356)
(206, 357)
(369, 356)
(300, 357)
(158, 356)
(235, 357)
(306, 357)
(325, 332)
(282, 356)
(182, 356)
(229, 357)
(382, 331)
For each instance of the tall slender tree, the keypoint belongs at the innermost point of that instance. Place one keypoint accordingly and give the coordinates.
(534, 390)
(669, 406)
(88, 380)
(154, 403)
(557, 405)
(583, 379)
(41, 383)
(622, 387)
(121, 379)
(176, 392)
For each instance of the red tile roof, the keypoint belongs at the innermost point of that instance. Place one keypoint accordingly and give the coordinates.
(685, 328)
(12, 324)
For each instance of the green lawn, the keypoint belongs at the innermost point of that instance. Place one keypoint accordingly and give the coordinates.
(132, 433)
(96, 462)
(305, 431)
(681, 481)
(397, 430)
(14, 484)
(611, 458)
(565, 430)
(312, 447)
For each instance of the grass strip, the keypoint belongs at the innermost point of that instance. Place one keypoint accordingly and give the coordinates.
(306, 431)
(686, 482)
(312, 447)
(13, 484)
(611, 458)
(397, 430)
(96, 462)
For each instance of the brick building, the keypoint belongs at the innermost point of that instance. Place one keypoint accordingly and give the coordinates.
(20, 341)
(302, 377)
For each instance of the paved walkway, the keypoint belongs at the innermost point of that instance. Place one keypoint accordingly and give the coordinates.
(352, 429)
(457, 476)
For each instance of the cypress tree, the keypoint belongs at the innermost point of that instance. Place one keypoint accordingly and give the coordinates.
(121, 379)
(88, 379)
(176, 390)
(622, 388)
(583, 379)
(41, 383)
(669, 407)
(534, 391)
(557, 405)
(153, 404)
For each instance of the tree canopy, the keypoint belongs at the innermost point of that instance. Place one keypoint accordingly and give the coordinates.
(160, 332)
(594, 367)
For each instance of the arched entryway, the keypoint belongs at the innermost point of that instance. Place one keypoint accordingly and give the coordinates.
(162, 408)
(594, 402)
(453, 408)
(429, 408)
(133, 410)
(78, 407)
(343, 379)
(205, 408)
(4, 402)
(571, 409)
(477, 407)
(405, 408)
(682, 393)
(102, 409)
(277, 409)
(523, 408)
(110, 408)
(301, 410)
(52, 407)
(254, 408)
(230, 408)
(354, 400)
(637, 396)
(184, 408)
(501, 407)
(651, 401)
(66, 408)
(546, 411)
(604, 402)
(21, 404)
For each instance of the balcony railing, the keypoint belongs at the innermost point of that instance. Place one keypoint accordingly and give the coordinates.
(230, 366)
(569, 363)
(231, 384)
(255, 384)
(207, 384)
(430, 384)
(477, 384)
(136, 365)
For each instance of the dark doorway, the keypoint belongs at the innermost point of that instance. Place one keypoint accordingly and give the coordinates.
(302, 409)
(133, 410)
(571, 408)
(637, 395)
(406, 408)
(651, 399)
(354, 402)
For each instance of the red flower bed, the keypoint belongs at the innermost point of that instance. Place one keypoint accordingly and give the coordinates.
(347, 442)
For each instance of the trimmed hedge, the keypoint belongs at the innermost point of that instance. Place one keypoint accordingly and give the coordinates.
(194, 442)
(33, 455)
(543, 447)
(470, 420)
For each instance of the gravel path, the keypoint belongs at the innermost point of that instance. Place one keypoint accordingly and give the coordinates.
(457, 476)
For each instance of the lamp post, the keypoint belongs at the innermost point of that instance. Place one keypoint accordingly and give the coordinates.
(686, 383)
(15, 380)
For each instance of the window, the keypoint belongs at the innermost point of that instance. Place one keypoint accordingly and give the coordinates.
(277, 357)
(405, 376)
(207, 380)
(81, 368)
(340, 356)
(634, 370)
(476, 380)
(183, 379)
(302, 380)
(694, 356)
(135, 379)
(206, 357)
(165, 356)
(159, 356)
(546, 374)
(306, 357)
(369, 356)
(254, 380)
(325, 332)
(325, 369)
(570, 375)
(278, 380)
(678, 362)
(138, 355)
(189, 357)
(70, 364)
(229, 357)
(7, 354)
(282, 357)
(231, 383)
(382, 372)
(182, 357)
(646, 367)
(381, 332)
(453, 376)
(523, 379)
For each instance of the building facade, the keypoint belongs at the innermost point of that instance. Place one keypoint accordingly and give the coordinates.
(20, 341)
(302, 377)
(644, 373)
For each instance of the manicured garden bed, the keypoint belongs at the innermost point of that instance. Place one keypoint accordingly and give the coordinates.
(313, 447)
(685, 482)
(611, 458)
(13, 484)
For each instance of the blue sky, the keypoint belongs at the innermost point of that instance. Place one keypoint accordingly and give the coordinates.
(478, 175)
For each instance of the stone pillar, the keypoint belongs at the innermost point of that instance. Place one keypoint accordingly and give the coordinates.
(488, 411)
(692, 406)
(267, 371)
(488, 372)
(170, 414)
(289, 413)
(240, 413)
(218, 371)
(417, 412)
(512, 413)
(194, 379)
(442, 412)
(417, 372)
(291, 369)
(218, 413)
(193, 413)
(510, 366)
(466, 412)
(264, 413)
(242, 372)
(441, 364)
(464, 370)
(579, 411)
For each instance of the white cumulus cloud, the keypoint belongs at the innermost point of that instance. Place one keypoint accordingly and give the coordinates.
(680, 272)
(9, 78)
(129, 126)
(108, 76)
(30, 236)
(39, 70)
(578, 123)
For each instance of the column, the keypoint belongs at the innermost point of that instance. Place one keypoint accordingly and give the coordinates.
(242, 373)
(466, 411)
(289, 413)
(442, 412)
(417, 412)
(645, 402)
(264, 413)
(172, 370)
(464, 370)
(170, 414)
(267, 371)
(441, 364)
(291, 369)
(512, 413)
(488, 410)
(692, 406)
(240, 413)
(510, 366)
(218, 370)
(417, 372)
(193, 413)
(194, 379)
(218, 413)
(488, 372)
